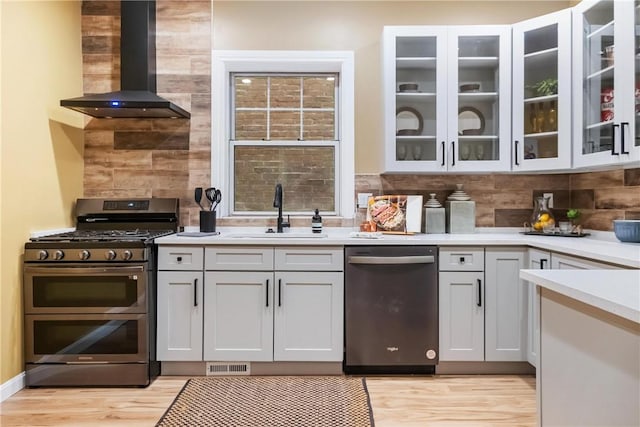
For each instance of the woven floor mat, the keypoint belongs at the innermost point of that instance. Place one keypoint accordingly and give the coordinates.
(279, 401)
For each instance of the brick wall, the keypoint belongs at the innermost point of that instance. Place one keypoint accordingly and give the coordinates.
(306, 174)
(507, 200)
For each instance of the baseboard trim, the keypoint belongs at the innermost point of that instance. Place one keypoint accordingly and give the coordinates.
(486, 368)
(11, 387)
(257, 368)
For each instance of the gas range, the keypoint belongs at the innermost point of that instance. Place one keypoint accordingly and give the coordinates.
(90, 295)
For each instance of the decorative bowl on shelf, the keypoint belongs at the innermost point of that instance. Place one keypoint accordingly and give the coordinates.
(470, 87)
(408, 87)
(627, 230)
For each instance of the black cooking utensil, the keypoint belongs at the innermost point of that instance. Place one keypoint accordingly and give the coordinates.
(216, 200)
(210, 194)
(198, 197)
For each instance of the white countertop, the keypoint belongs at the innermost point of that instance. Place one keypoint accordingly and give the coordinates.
(614, 291)
(602, 246)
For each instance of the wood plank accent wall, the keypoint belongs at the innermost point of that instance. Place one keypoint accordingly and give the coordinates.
(151, 157)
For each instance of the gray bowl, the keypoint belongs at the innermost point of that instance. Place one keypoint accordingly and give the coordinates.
(627, 230)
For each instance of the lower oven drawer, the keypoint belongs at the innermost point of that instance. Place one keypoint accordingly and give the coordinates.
(86, 338)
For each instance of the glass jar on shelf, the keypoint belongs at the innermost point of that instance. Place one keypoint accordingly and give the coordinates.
(552, 117)
(542, 218)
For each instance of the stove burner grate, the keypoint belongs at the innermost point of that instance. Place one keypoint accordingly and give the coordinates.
(103, 235)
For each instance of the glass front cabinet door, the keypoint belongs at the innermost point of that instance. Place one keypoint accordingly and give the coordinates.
(542, 93)
(447, 98)
(479, 98)
(607, 90)
(414, 98)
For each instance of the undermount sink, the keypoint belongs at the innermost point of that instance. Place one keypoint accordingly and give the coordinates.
(265, 235)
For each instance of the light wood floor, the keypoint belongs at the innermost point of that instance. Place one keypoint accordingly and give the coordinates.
(474, 401)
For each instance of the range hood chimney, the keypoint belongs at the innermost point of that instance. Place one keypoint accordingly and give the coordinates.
(137, 97)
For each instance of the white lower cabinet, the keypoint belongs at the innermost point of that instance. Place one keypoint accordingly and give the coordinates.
(308, 316)
(179, 303)
(538, 260)
(461, 303)
(482, 312)
(461, 316)
(288, 313)
(505, 305)
(238, 320)
(180, 308)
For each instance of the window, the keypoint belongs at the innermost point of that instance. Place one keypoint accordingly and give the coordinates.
(283, 130)
(283, 117)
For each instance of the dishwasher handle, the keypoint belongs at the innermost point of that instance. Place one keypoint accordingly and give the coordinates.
(382, 260)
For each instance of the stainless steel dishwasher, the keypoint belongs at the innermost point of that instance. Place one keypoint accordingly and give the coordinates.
(391, 309)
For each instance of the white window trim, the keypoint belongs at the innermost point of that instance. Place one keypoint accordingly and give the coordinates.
(225, 62)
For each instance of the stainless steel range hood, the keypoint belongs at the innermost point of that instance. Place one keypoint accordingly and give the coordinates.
(137, 97)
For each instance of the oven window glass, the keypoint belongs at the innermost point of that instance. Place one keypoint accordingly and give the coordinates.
(85, 291)
(85, 337)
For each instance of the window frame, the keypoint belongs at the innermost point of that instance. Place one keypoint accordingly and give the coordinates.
(227, 62)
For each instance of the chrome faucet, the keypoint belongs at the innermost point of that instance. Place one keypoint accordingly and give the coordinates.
(277, 203)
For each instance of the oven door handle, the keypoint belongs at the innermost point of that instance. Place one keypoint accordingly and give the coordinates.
(382, 260)
(84, 270)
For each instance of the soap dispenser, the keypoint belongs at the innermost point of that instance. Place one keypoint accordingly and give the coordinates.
(316, 222)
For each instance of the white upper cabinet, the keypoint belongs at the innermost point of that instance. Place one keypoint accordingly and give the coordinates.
(415, 98)
(542, 93)
(606, 83)
(479, 95)
(447, 92)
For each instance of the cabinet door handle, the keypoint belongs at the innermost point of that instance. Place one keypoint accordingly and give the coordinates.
(516, 153)
(613, 140)
(443, 152)
(479, 300)
(195, 292)
(453, 153)
(622, 126)
(267, 295)
(542, 261)
(279, 292)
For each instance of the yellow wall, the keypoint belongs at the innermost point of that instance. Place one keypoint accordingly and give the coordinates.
(357, 26)
(41, 153)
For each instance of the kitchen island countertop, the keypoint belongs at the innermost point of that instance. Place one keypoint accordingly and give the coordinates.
(614, 291)
(600, 248)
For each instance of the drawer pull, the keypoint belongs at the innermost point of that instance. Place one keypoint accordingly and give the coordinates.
(179, 259)
(461, 260)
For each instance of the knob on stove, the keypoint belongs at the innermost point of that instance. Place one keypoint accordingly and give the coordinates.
(127, 255)
(42, 255)
(85, 254)
(58, 255)
(110, 255)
